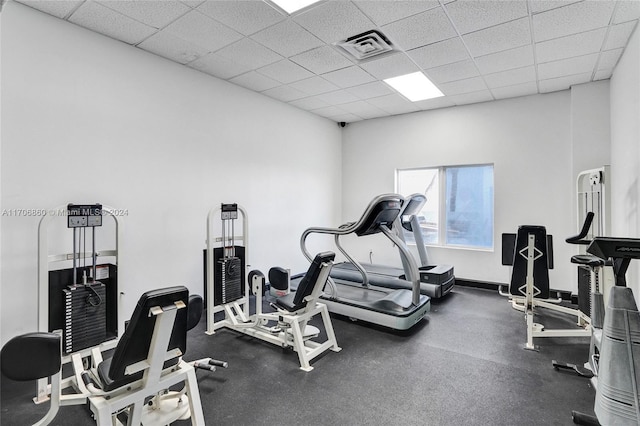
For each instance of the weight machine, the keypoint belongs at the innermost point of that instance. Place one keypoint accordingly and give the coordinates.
(228, 294)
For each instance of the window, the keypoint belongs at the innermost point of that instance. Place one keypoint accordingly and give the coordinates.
(459, 207)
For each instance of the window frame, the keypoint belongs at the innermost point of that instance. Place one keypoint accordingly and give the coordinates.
(442, 206)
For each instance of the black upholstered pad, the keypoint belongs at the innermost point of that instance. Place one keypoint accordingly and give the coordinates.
(134, 345)
(31, 356)
(540, 265)
(587, 259)
(295, 301)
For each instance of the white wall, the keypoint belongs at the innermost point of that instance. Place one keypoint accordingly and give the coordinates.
(88, 119)
(529, 141)
(625, 149)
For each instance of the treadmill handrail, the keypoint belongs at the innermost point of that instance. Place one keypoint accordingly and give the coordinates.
(415, 276)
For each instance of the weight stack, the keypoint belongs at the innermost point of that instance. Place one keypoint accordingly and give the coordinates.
(228, 279)
(85, 319)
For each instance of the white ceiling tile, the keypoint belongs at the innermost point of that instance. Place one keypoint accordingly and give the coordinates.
(572, 45)
(501, 37)
(419, 30)
(154, 13)
(363, 109)
(348, 77)
(505, 60)
(219, 66)
(321, 60)
(564, 67)
(537, 6)
(312, 102)
(572, 19)
(602, 74)
(608, 59)
(472, 98)
(246, 17)
(441, 53)
(563, 83)
(329, 111)
(59, 9)
(469, 85)
(435, 103)
(201, 30)
(345, 118)
(247, 51)
(284, 93)
(390, 66)
(333, 21)
(385, 12)
(470, 16)
(627, 10)
(370, 90)
(192, 3)
(171, 47)
(511, 77)
(452, 72)
(103, 20)
(255, 81)
(285, 71)
(287, 38)
(313, 86)
(515, 91)
(619, 35)
(394, 104)
(337, 97)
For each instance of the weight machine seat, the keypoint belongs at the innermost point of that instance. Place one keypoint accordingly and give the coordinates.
(31, 356)
(134, 344)
(293, 302)
(588, 260)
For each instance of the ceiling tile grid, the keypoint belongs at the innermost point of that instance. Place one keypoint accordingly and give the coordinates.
(473, 50)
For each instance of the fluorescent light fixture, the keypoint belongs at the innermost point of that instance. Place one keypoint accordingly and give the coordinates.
(291, 6)
(415, 86)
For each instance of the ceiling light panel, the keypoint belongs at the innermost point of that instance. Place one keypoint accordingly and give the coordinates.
(292, 6)
(415, 86)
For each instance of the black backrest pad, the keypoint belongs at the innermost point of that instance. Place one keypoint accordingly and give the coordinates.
(305, 288)
(196, 306)
(31, 356)
(383, 213)
(136, 340)
(540, 266)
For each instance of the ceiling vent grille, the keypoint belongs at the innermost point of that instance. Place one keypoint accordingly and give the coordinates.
(366, 45)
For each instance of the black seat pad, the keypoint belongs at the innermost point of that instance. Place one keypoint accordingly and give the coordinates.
(31, 356)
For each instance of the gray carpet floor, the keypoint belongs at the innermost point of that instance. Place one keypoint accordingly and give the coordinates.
(462, 365)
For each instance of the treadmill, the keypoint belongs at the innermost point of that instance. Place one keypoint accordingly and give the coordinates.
(398, 309)
(435, 280)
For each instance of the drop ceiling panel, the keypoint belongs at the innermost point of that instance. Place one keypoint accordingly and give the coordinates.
(362, 109)
(370, 90)
(321, 60)
(219, 66)
(246, 17)
(201, 30)
(452, 72)
(505, 60)
(572, 19)
(285, 71)
(537, 6)
(106, 21)
(441, 102)
(382, 13)
(171, 47)
(255, 81)
(330, 111)
(440, 53)
(609, 59)
(285, 93)
(473, 16)
(572, 45)
(349, 77)
(333, 21)
(390, 66)
(514, 91)
(619, 35)
(309, 103)
(419, 30)
(338, 97)
(469, 85)
(501, 37)
(627, 10)
(472, 98)
(250, 53)
(59, 9)
(563, 83)
(511, 77)
(394, 104)
(154, 13)
(314, 86)
(564, 67)
(287, 38)
(603, 74)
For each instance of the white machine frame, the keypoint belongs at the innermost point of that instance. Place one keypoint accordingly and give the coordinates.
(292, 329)
(163, 407)
(45, 260)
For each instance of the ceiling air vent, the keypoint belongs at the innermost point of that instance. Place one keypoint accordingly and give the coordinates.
(366, 45)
